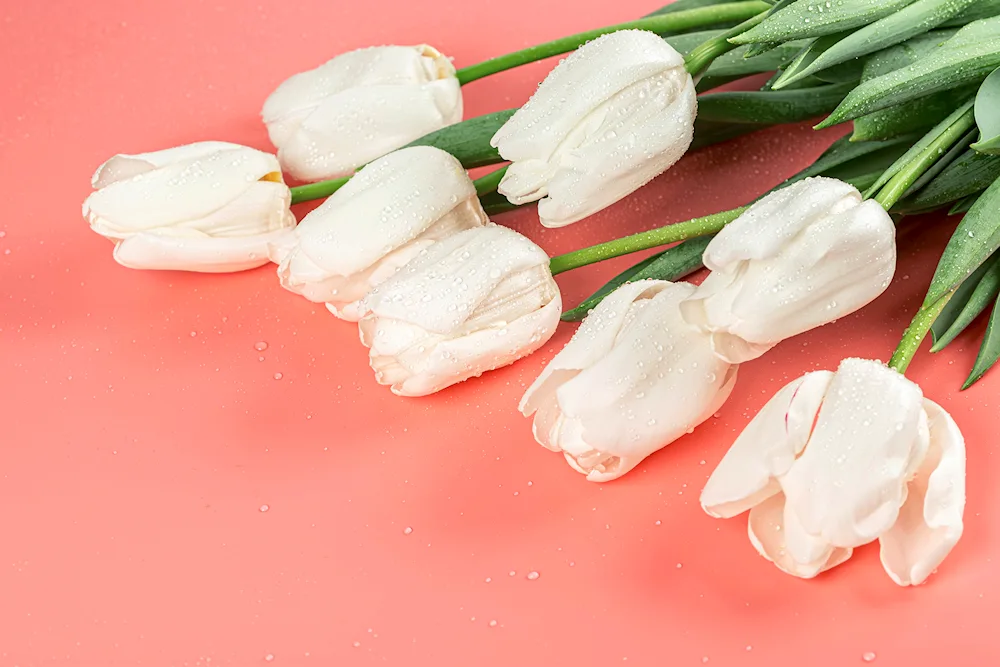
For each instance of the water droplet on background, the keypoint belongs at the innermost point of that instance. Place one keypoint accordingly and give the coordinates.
(278, 376)
(532, 576)
(868, 656)
(264, 508)
(407, 530)
(260, 347)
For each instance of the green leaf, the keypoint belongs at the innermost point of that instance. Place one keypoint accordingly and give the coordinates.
(672, 264)
(919, 147)
(915, 19)
(988, 114)
(974, 295)
(469, 141)
(917, 116)
(968, 175)
(976, 238)
(989, 352)
(734, 65)
(942, 163)
(963, 205)
(983, 9)
(763, 108)
(968, 57)
(816, 18)
(495, 203)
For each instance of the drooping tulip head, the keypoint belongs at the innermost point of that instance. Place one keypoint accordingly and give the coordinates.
(329, 121)
(210, 206)
(616, 113)
(838, 460)
(633, 379)
(473, 302)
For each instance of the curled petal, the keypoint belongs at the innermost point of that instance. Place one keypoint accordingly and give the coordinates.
(930, 521)
(766, 449)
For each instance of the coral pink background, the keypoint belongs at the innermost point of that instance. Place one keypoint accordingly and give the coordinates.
(141, 434)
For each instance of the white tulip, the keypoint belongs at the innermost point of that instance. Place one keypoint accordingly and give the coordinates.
(209, 206)
(359, 106)
(608, 119)
(838, 460)
(382, 218)
(472, 302)
(799, 258)
(633, 379)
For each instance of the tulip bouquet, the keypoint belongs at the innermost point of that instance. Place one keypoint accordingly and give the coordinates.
(404, 244)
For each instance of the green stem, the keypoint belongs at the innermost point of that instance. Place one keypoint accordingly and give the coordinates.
(490, 181)
(681, 231)
(898, 186)
(661, 24)
(703, 55)
(915, 334)
(318, 190)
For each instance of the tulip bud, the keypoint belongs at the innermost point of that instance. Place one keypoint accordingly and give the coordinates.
(473, 302)
(209, 206)
(608, 119)
(633, 379)
(799, 258)
(382, 218)
(838, 460)
(359, 106)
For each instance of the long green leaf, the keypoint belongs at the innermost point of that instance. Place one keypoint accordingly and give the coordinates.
(672, 264)
(973, 297)
(989, 352)
(988, 114)
(469, 141)
(983, 9)
(966, 58)
(976, 238)
(770, 107)
(805, 19)
(920, 146)
(915, 19)
(964, 205)
(968, 175)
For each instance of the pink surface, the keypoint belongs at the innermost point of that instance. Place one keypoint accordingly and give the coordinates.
(143, 434)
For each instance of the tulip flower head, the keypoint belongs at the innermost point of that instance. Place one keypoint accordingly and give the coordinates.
(475, 301)
(359, 106)
(613, 115)
(634, 378)
(838, 460)
(210, 206)
(801, 257)
(382, 218)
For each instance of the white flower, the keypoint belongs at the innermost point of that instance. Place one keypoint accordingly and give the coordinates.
(632, 380)
(615, 114)
(382, 218)
(209, 206)
(359, 106)
(799, 258)
(475, 301)
(837, 460)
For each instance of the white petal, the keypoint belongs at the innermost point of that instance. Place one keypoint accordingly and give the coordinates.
(766, 449)
(767, 528)
(443, 287)
(453, 360)
(387, 204)
(849, 483)
(359, 106)
(594, 339)
(930, 521)
(613, 115)
(148, 250)
(178, 193)
(123, 166)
